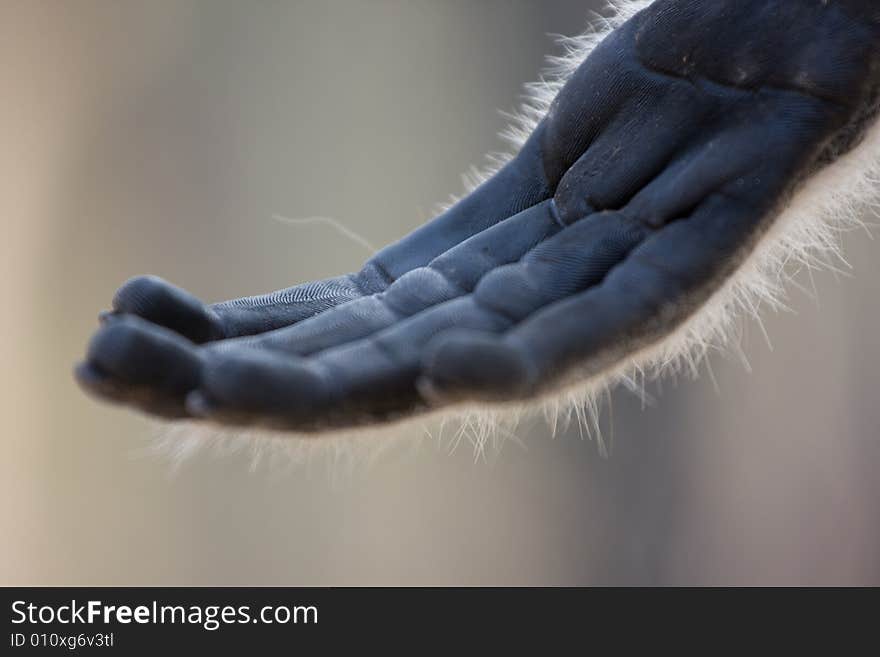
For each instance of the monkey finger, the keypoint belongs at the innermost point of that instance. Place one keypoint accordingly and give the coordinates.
(133, 361)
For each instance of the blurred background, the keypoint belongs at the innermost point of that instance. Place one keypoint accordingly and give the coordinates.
(161, 137)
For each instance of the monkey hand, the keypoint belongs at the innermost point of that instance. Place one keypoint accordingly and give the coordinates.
(659, 168)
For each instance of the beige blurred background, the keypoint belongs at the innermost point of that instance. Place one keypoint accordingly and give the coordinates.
(161, 136)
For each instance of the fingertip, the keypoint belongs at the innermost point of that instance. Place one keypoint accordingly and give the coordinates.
(86, 373)
(95, 381)
(137, 293)
(162, 303)
(138, 352)
(105, 387)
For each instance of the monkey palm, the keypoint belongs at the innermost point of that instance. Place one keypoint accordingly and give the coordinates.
(662, 163)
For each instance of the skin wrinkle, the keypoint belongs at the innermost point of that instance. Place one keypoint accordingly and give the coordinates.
(700, 80)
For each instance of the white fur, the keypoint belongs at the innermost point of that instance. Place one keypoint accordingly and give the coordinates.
(805, 235)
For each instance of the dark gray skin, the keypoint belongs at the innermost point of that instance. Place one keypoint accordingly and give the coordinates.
(660, 165)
